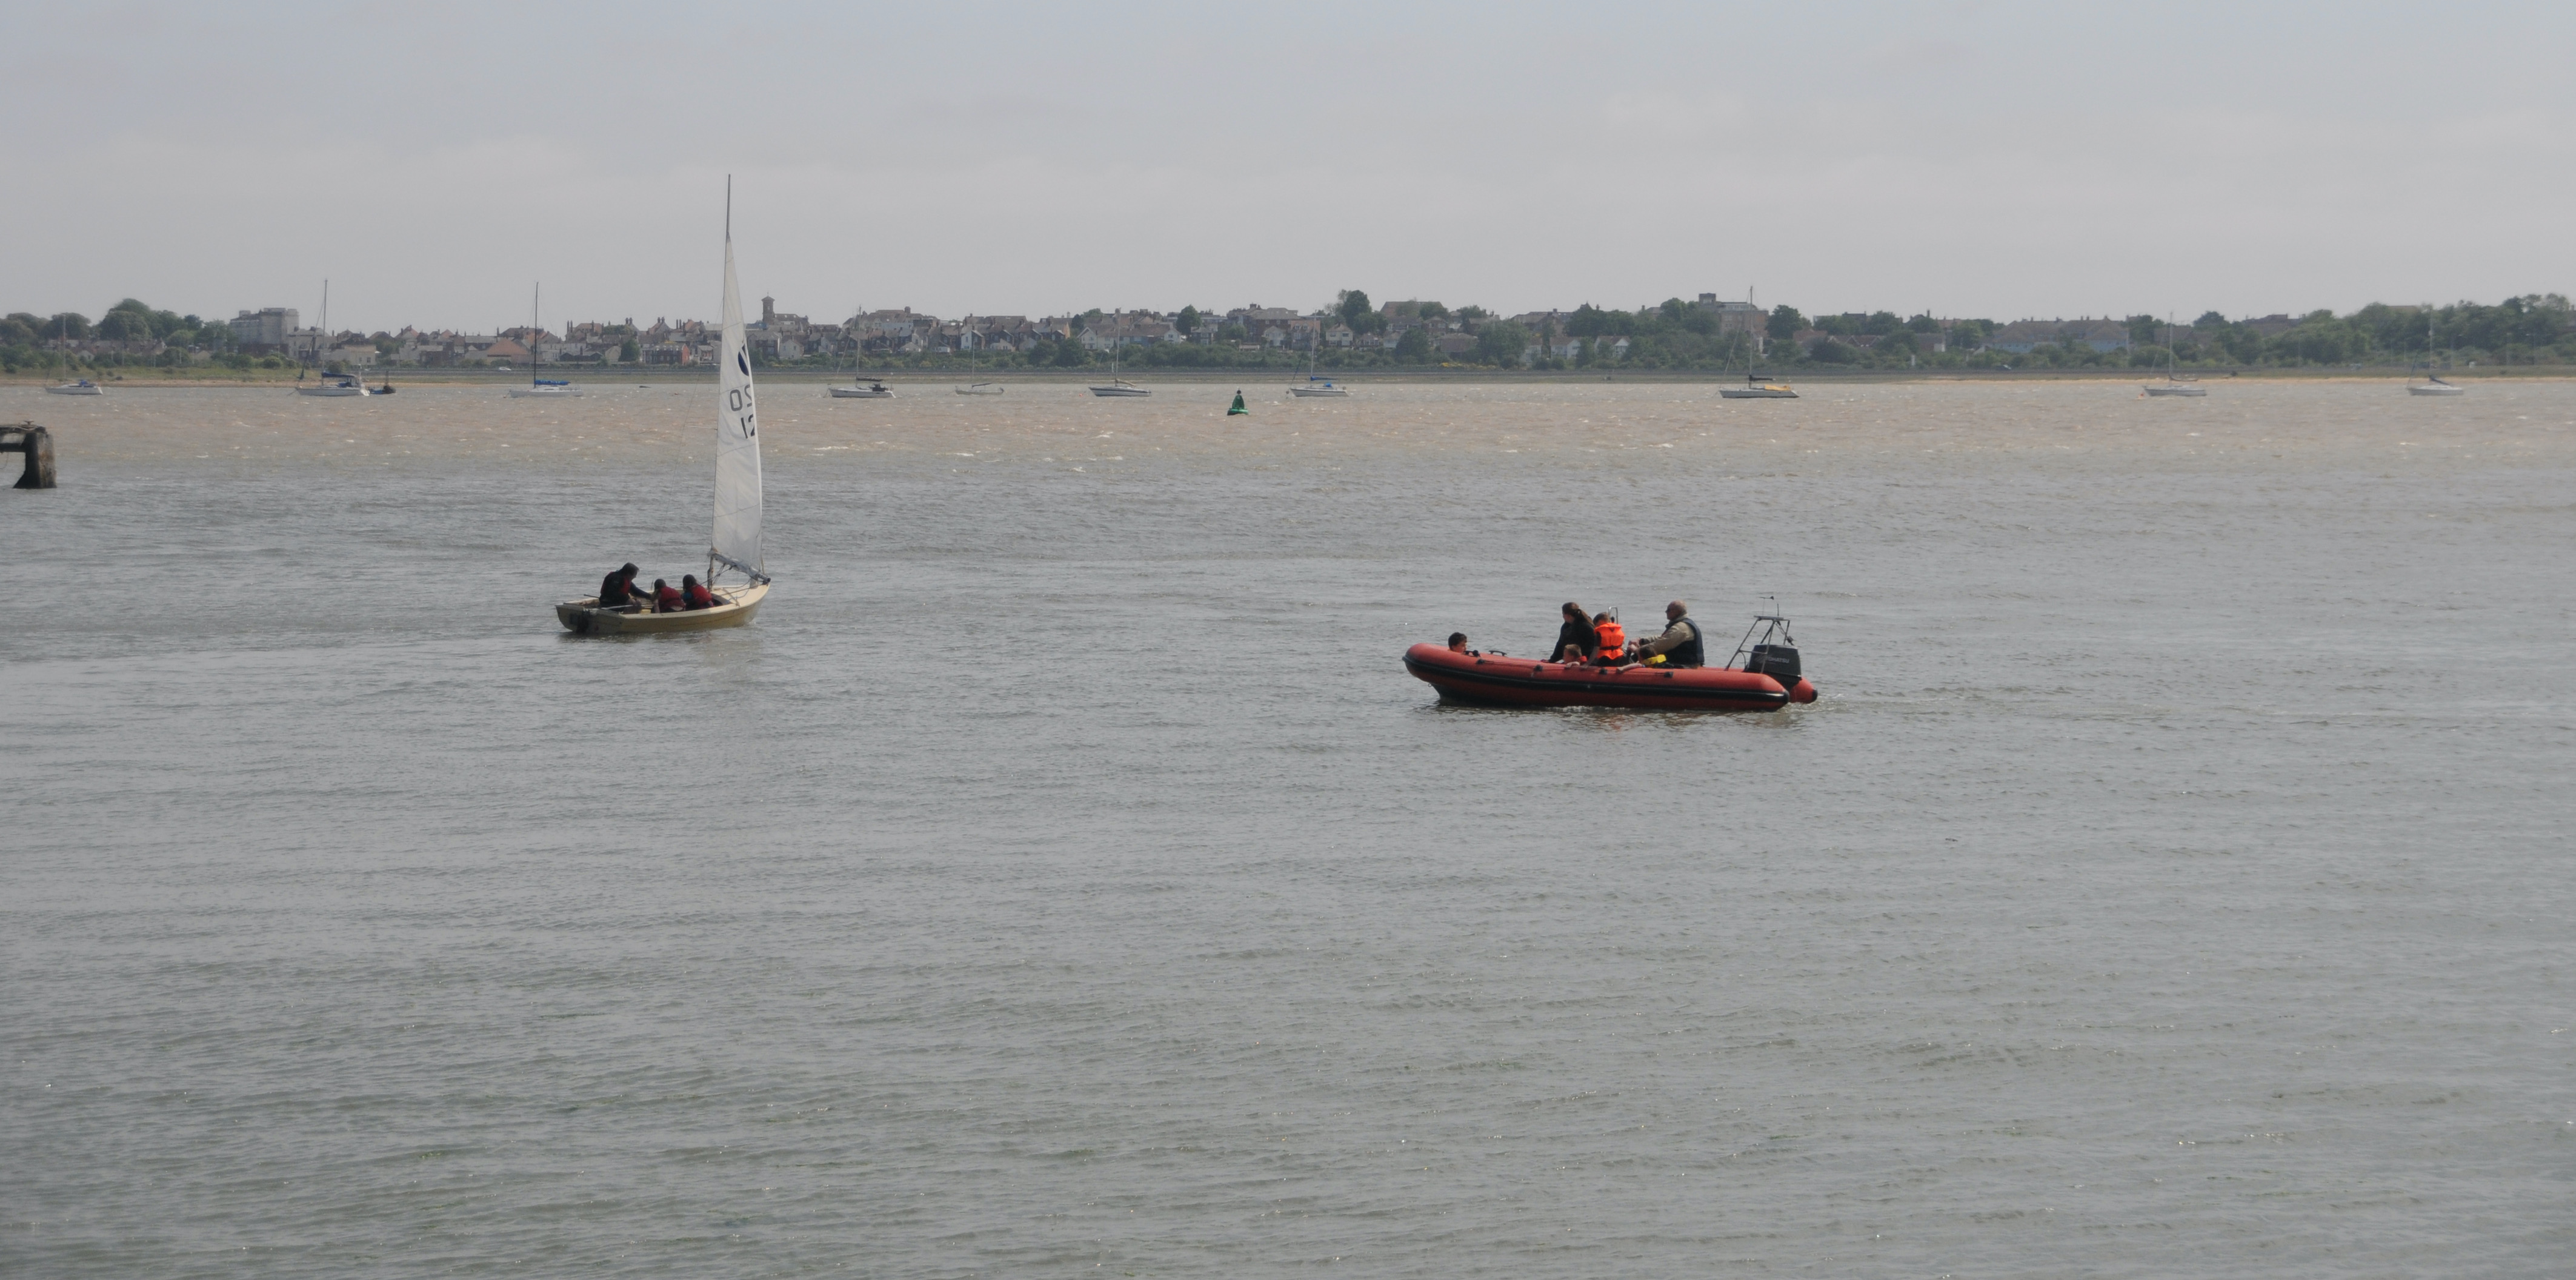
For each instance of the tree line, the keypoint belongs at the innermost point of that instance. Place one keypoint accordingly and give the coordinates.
(1671, 335)
(23, 335)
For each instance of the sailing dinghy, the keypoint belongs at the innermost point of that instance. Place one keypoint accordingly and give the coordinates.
(736, 544)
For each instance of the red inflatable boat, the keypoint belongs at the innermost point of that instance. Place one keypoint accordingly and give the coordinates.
(1770, 681)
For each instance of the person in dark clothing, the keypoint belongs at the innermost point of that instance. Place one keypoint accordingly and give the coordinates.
(693, 594)
(1575, 640)
(617, 590)
(1681, 644)
(666, 598)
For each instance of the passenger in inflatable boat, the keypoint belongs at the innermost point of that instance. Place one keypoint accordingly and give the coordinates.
(693, 594)
(1575, 640)
(1610, 642)
(1681, 644)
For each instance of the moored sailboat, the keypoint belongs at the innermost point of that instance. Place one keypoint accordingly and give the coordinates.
(541, 388)
(1758, 386)
(735, 544)
(861, 389)
(1316, 383)
(331, 385)
(2174, 384)
(2434, 384)
(1118, 386)
(336, 384)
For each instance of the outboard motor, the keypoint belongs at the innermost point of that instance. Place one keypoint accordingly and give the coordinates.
(1778, 661)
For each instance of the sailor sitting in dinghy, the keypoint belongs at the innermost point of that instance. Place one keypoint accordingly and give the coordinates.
(617, 590)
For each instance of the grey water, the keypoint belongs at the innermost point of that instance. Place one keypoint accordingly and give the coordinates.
(1063, 877)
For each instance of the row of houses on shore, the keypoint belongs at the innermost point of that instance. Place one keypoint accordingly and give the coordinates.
(783, 337)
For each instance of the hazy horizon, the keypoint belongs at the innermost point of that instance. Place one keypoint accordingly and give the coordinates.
(1967, 159)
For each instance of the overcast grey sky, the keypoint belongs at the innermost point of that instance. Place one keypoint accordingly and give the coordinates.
(2002, 160)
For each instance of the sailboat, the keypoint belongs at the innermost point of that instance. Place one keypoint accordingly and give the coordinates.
(541, 388)
(75, 387)
(2174, 384)
(332, 384)
(336, 384)
(874, 390)
(1118, 386)
(2433, 384)
(735, 544)
(1758, 386)
(1316, 385)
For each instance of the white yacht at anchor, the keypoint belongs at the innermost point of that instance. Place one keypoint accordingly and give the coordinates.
(335, 385)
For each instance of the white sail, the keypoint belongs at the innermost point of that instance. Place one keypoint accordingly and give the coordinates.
(737, 536)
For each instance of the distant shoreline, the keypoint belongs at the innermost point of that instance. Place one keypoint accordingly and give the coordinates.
(146, 379)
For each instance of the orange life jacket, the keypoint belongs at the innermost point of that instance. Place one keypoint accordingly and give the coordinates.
(1613, 641)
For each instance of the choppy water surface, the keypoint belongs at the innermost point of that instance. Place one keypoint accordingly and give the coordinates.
(1063, 876)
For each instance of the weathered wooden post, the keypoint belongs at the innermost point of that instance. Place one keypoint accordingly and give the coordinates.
(38, 444)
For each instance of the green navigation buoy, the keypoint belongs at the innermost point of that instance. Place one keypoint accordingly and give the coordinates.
(1238, 406)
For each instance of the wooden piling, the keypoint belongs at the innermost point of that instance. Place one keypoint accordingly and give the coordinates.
(38, 444)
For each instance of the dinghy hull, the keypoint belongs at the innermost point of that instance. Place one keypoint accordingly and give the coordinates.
(584, 617)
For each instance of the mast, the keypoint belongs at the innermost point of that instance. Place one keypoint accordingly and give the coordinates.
(1761, 330)
(736, 537)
